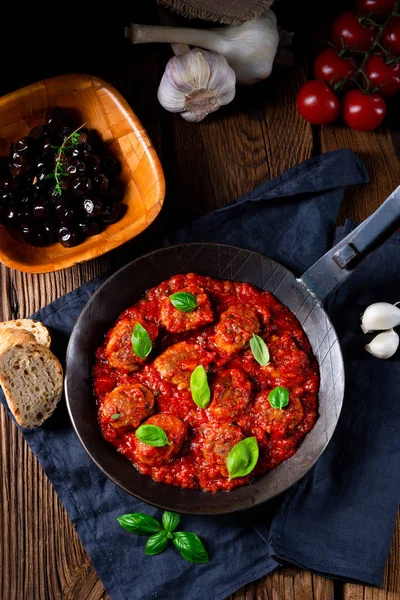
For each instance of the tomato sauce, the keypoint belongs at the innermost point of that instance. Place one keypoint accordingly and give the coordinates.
(156, 390)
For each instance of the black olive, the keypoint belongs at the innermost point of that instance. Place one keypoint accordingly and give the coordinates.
(91, 207)
(112, 213)
(82, 151)
(69, 237)
(100, 184)
(116, 193)
(10, 216)
(25, 147)
(90, 226)
(39, 131)
(55, 119)
(65, 212)
(92, 164)
(41, 209)
(51, 228)
(19, 166)
(111, 167)
(80, 186)
(75, 167)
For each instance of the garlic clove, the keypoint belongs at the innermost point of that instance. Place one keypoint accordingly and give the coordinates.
(384, 345)
(196, 84)
(379, 316)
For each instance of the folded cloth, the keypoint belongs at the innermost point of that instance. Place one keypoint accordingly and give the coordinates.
(339, 519)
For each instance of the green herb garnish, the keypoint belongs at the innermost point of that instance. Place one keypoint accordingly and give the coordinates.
(68, 144)
(242, 458)
(183, 301)
(141, 342)
(115, 416)
(279, 397)
(188, 544)
(152, 436)
(259, 350)
(199, 387)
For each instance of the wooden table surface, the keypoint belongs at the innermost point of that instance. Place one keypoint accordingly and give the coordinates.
(206, 165)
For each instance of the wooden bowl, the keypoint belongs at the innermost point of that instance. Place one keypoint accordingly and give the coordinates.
(101, 107)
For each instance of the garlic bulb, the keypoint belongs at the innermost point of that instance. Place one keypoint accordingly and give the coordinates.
(249, 48)
(379, 316)
(384, 345)
(196, 84)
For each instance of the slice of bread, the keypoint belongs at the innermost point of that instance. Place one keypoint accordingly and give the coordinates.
(36, 328)
(32, 381)
(12, 337)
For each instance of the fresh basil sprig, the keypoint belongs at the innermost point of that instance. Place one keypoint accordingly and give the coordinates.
(183, 301)
(115, 416)
(189, 544)
(199, 387)
(152, 435)
(156, 543)
(141, 342)
(259, 350)
(242, 458)
(139, 523)
(170, 522)
(279, 397)
(190, 547)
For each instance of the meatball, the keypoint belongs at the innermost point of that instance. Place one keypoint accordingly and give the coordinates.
(218, 442)
(176, 431)
(132, 402)
(235, 328)
(178, 362)
(287, 356)
(231, 394)
(277, 422)
(177, 321)
(119, 352)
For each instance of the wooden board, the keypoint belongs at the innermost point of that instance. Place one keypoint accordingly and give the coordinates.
(206, 165)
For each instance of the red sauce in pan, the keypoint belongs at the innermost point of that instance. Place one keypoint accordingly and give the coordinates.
(216, 335)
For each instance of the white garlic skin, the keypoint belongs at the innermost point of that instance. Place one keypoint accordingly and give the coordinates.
(380, 316)
(196, 84)
(384, 345)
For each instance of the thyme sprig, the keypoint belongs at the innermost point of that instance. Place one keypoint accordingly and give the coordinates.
(59, 174)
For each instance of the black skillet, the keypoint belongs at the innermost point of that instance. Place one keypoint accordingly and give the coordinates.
(303, 296)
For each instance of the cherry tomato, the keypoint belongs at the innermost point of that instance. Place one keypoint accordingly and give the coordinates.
(391, 36)
(377, 9)
(348, 31)
(317, 103)
(331, 68)
(387, 77)
(363, 112)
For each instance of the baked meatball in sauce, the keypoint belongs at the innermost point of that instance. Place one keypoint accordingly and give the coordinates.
(132, 391)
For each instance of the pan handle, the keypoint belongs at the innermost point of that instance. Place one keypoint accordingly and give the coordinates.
(329, 272)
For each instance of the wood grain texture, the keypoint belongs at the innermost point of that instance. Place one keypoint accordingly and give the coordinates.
(206, 165)
(99, 106)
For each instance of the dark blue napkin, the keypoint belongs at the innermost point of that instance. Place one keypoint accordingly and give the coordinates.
(339, 519)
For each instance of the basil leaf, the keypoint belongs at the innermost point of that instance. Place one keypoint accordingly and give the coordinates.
(242, 458)
(199, 387)
(183, 301)
(156, 543)
(190, 547)
(139, 523)
(170, 520)
(152, 435)
(279, 397)
(259, 350)
(115, 416)
(141, 342)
